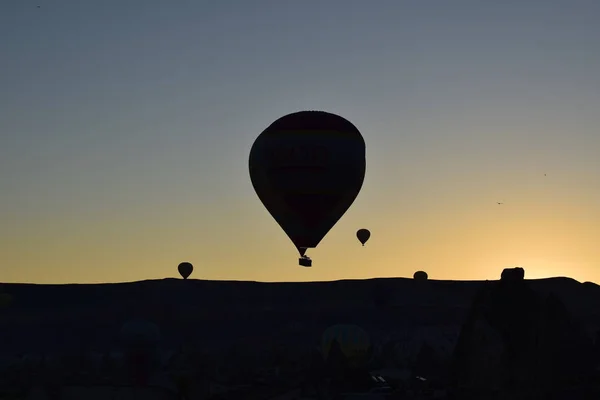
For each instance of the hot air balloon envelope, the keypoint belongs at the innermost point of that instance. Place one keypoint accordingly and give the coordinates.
(307, 168)
(185, 269)
(420, 276)
(353, 340)
(363, 235)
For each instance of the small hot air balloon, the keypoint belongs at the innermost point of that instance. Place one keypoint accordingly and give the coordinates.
(185, 269)
(363, 235)
(354, 343)
(307, 168)
(420, 276)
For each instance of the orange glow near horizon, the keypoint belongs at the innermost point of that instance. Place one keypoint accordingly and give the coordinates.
(450, 242)
(124, 151)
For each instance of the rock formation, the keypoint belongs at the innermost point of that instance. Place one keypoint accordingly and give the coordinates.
(517, 340)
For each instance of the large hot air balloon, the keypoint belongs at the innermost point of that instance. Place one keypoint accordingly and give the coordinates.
(185, 269)
(363, 235)
(354, 343)
(307, 168)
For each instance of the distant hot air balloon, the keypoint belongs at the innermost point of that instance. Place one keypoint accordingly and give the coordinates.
(307, 168)
(420, 276)
(354, 343)
(363, 235)
(185, 269)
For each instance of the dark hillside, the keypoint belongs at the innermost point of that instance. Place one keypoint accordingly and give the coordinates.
(59, 317)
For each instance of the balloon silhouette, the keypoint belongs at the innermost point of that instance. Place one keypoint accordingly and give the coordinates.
(307, 169)
(363, 235)
(420, 276)
(185, 269)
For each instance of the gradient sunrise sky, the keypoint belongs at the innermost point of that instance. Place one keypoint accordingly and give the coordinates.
(125, 129)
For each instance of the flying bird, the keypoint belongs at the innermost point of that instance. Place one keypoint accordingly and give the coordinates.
(499, 203)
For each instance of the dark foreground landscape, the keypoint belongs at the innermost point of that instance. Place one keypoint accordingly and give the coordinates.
(505, 339)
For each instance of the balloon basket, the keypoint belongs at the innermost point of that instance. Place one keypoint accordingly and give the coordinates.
(305, 262)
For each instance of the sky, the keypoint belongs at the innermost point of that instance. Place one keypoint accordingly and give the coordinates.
(125, 130)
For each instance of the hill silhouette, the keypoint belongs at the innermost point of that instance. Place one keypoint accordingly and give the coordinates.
(206, 314)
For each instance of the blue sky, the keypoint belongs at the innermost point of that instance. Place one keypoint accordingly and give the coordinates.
(125, 128)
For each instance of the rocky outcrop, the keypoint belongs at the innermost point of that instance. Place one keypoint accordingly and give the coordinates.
(564, 352)
(517, 339)
(513, 274)
(428, 363)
